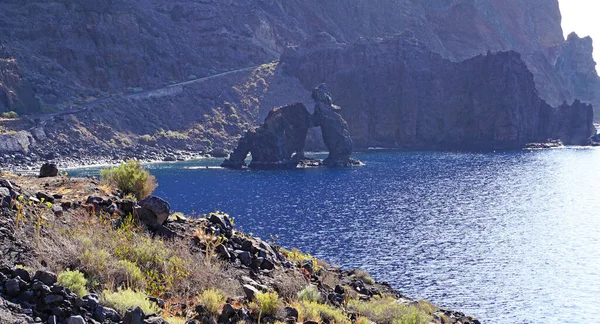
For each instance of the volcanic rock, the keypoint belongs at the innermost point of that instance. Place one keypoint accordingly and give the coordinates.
(48, 170)
(334, 128)
(277, 143)
(153, 211)
(397, 93)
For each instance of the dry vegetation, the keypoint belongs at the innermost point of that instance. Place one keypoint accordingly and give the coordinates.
(93, 251)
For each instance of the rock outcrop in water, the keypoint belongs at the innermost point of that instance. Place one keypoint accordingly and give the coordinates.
(279, 142)
(397, 93)
(334, 128)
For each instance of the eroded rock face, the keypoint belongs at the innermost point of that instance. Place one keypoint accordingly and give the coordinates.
(398, 93)
(277, 143)
(334, 128)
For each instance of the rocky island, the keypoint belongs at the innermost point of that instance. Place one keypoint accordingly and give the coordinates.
(279, 142)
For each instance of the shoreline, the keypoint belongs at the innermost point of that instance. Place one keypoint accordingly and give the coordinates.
(186, 156)
(245, 265)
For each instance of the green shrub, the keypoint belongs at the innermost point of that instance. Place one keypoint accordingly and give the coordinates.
(131, 178)
(212, 300)
(266, 304)
(10, 114)
(309, 294)
(387, 310)
(129, 274)
(123, 299)
(296, 255)
(313, 311)
(74, 280)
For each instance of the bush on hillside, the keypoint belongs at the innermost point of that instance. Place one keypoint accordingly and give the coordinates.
(74, 280)
(123, 299)
(10, 114)
(131, 178)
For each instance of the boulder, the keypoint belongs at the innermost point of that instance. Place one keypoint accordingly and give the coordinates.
(48, 170)
(153, 211)
(46, 277)
(134, 316)
(75, 320)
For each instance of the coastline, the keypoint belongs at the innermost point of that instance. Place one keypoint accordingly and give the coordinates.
(252, 265)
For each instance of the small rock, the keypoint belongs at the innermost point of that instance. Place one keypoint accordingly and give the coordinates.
(339, 289)
(291, 313)
(12, 287)
(155, 320)
(57, 210)
(53, 299)
(22, 273)
(4, 192)
(250, 291)
(48, 170)
(267, 265)
(42, 196)
(227, 313)
(245, 258)
(94, 200)
(134, 316)
(75, 320)
(6, 184)
(47, 277)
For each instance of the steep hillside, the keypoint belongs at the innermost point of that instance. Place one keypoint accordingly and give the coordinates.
(72, 52)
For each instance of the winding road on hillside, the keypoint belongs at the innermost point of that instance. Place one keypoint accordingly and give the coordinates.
(172, 89)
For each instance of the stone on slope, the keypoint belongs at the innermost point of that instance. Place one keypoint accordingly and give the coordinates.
(48, 170)
(153, 211)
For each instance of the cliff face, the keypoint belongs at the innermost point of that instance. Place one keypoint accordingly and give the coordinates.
(72, 52)
(396, 92)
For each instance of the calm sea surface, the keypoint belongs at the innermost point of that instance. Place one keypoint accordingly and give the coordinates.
(508, 237)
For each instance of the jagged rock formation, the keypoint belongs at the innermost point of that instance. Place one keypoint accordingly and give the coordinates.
(334, 128)
(396, 92)
(279, 142)
(575, 66)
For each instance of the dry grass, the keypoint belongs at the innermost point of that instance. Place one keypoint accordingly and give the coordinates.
(387, 310)
(128, 258)
(289, 284)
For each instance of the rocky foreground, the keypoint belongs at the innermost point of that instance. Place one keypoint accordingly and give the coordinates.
(53, 226)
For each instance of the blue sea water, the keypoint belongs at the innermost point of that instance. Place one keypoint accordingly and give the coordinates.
(511, 237)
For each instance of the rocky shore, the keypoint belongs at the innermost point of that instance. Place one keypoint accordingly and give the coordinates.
(53, 226)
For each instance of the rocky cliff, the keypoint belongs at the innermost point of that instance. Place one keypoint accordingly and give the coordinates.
(195, 75)
(396, 92)
(71, 52)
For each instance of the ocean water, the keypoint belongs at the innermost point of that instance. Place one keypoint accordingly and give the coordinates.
(511, 237)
